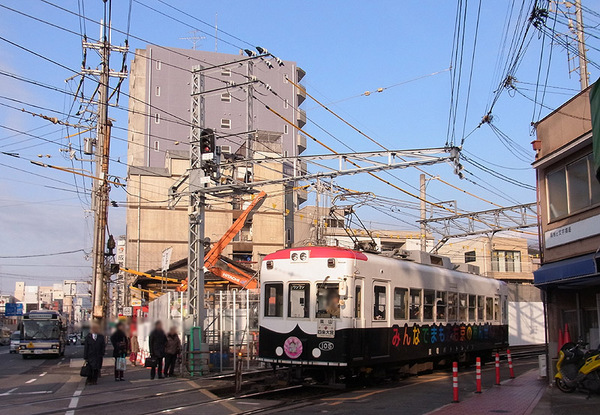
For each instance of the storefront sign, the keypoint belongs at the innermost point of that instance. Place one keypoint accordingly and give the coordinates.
(573, 232)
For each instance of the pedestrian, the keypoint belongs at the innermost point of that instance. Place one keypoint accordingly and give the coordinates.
(157, 343)
(172, 350)
(93, 353)
(120, 345)
(135, 347)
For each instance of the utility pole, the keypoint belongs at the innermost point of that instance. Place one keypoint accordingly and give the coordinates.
(101, 186)
(423, 197)
(584, 77)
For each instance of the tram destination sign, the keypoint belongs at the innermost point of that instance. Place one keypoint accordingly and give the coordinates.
(326, 328)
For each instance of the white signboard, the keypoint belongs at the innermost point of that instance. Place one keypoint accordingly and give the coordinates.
(572, 232)
(326, 328)
(128, 311)
(166, 259)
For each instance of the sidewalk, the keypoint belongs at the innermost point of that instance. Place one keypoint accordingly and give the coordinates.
(517, 397)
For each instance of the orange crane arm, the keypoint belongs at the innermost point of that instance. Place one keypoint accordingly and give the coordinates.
(211, 258)
(143, 274)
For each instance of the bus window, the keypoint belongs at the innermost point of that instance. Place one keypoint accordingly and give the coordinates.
(440, 314)
(489, 308)
(415, 304)
(480, 307)
(379, 298)
(462, 307)
(428, 302)
(328, 300)
(452, 306)
(299, 299)
(274, 300)
(400, 303)
(358, 301)
(472, 307)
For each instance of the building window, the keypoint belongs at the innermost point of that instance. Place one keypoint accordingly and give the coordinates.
(225, 123)
(226, 97)
(288, 235)
(400, 303)
(285, 129)
(470, 256)
(158, 65)
(274, 300)
(379, 308)
(285, 104)
(157, 146)
(299, 299)
(157, 118)
(157, 91)
(572, 188)
(225, 72)
(506, 261)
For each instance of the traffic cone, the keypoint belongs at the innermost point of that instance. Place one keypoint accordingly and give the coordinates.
(566, 335)
(560, 339)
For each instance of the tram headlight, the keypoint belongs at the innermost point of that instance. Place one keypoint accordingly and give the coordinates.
(303, 256)
(294, 256)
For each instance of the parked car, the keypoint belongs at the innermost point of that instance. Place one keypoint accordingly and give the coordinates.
(15, 340)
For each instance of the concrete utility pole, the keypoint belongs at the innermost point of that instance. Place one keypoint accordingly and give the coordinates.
(423, 197)
(583, 72)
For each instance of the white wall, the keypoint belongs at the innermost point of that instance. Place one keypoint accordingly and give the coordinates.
(525, 323)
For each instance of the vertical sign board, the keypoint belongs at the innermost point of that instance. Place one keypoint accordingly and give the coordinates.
(166, 259)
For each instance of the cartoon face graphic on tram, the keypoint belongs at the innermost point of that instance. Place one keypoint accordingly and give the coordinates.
(336, 307)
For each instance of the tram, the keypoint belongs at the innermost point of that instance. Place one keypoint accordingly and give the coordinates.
(351, 311)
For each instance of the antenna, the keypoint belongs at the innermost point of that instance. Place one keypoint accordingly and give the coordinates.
(194, 38)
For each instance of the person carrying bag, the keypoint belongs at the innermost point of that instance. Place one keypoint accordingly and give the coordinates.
(120, 344)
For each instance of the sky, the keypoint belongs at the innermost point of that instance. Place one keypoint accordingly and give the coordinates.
(345, 47)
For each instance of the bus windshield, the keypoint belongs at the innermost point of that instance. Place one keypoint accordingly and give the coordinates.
(40, 330)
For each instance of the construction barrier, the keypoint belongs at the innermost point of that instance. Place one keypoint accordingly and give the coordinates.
(497, 369)
(510, 364)
(455, 382)
(478, 375)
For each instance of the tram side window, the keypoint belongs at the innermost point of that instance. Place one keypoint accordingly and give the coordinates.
(452, 306)
(358, 301)
(400, 303)
(472, 307)
(379, 309)
(274, 300)
(489, 308)
(328, 301)
(415, 304)
(299, 299)
(497, 308)
(462, 307)
(480, 307)
(441, 306)
(428, 303)
(504, 310)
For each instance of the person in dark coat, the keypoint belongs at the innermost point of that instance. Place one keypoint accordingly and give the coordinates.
(157, 343)
(93, 353)
(172, 349)
(120, 343)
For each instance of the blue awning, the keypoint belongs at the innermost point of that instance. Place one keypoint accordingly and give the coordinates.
(566, 270)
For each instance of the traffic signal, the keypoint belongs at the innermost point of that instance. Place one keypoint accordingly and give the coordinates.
(207, 141)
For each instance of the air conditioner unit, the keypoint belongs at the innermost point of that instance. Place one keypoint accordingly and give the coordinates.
(225, 149)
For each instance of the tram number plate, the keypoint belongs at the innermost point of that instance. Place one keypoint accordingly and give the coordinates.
(326, 328)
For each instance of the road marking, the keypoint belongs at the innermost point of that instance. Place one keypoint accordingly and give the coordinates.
(8, 392)
(70, 413)
(43, 374)
(31, 380)
(74, 402)
(214, 397)
(77, 392)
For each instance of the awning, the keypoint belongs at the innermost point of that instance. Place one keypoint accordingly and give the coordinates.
(566, 271)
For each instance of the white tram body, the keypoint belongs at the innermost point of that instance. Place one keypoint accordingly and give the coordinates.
(335, 307)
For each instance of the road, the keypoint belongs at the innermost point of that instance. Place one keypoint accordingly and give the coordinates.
(53, 386)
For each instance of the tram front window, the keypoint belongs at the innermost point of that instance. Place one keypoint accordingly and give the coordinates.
(328, 301)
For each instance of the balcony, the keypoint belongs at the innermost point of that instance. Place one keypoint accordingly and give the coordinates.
(301, 94)
(302, 195)
(300, 73)
(301, 143)
(301, 118)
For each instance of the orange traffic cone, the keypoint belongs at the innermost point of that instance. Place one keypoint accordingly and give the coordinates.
(560, 339)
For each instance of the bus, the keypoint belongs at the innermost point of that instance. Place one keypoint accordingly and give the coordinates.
(43, 332)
